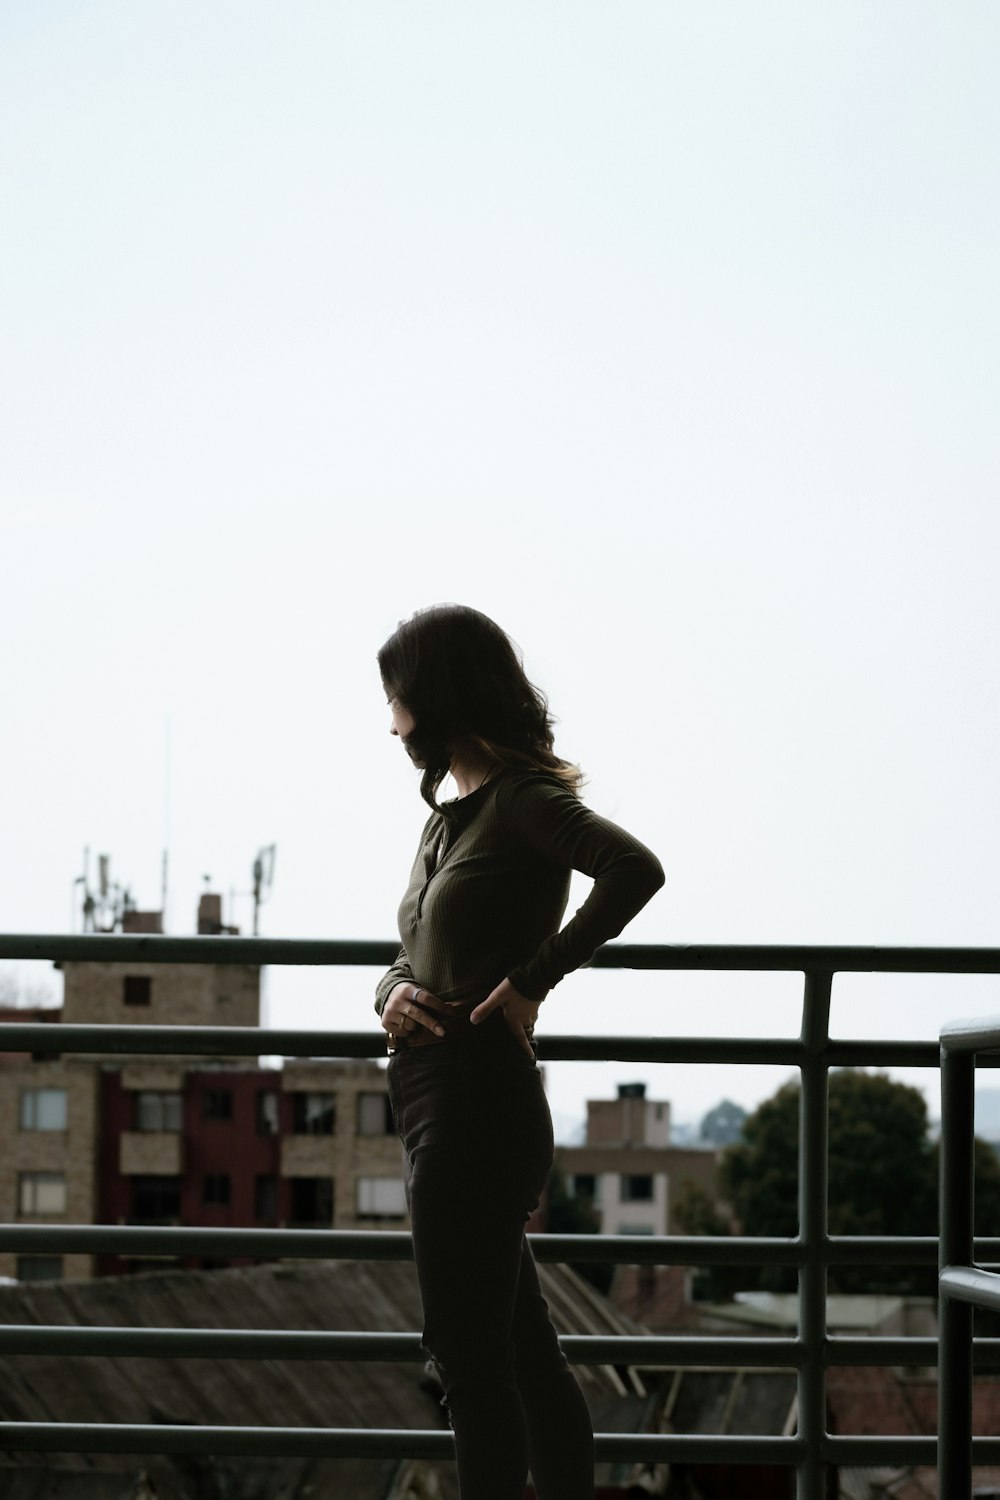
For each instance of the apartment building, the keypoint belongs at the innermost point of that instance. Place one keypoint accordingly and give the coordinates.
(627, 1169)
(218, 1142)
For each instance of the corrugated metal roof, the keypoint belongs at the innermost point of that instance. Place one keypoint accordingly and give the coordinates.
(342, 1295)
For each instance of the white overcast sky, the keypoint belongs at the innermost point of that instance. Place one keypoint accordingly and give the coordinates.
(666, 333)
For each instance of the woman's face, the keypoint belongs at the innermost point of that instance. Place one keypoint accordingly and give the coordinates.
(403, 722)
(402, 725)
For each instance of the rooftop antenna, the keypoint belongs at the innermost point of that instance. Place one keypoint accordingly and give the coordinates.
(103, 909)
(88, 900)
(263, 876)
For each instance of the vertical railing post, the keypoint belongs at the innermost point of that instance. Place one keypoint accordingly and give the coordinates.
(813, 1177)
(955, 1248)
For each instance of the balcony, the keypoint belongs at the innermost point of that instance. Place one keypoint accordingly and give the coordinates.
(810, 1449)
(153, 1153)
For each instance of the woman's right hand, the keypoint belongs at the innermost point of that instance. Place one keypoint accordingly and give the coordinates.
(410, 1005)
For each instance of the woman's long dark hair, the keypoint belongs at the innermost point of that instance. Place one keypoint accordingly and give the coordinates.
(461, 678)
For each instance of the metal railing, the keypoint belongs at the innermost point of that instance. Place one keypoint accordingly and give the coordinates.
(963, 1286)
(812, 1252)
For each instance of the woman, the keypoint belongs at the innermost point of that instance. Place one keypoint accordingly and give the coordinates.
(482, 947)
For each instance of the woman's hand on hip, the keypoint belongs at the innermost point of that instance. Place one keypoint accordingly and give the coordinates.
(409, 1006)
(519, 1012)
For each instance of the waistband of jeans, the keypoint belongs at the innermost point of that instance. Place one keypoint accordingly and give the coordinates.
(461, 1036)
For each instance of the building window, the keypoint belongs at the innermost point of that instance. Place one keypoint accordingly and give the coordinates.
(138, 989)
(381, 1198)
(41, 1193)
(375, 1115)
(313, 1114)
(586, 1185)
(218, 1104)
(43, 1109)
(312, 1202)
(215, 1188)
(155, 1200)
(267, 1112)
(265, 1196)
(635, 1189)
(39, 1267)
(159, 1109)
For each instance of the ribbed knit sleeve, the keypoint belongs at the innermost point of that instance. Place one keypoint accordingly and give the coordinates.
(399, 972)
(558, 828)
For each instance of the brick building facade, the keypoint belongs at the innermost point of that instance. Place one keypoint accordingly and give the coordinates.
(211, 1143)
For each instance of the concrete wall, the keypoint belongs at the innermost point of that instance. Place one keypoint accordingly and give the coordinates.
(180, 994)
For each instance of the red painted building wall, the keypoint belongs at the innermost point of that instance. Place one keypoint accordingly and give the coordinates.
(214, 1143)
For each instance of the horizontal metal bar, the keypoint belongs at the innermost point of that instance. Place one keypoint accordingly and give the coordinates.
(802, 957)
(980, 1034)
(199, 1041)
(401, 1348)
(970, 1284)
(875, 1053)
(648, 1350)
(209, 1343)
(345, 1244)
(882, 1250)
(251, 1442)
(849, 1351)
(309, 1442)
(845, 1351)
(682, 1350)
(906, 1250)
(866, 1452)
(133, 948)
(252, 1041)
(783, 1052)
(263, 1244)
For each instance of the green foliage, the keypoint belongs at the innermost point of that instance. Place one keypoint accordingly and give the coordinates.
(883, 1175)
(694, 1212)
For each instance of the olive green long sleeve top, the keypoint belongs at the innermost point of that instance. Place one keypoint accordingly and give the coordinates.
(490, 884)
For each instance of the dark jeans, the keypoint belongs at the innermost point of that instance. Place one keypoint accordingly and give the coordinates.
(477, 1135)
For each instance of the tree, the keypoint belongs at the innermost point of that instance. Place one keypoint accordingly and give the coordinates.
(882, 1171)
(723, 1125)
(694, 1212)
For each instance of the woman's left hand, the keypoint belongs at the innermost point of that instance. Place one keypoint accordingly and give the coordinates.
(519, 1012)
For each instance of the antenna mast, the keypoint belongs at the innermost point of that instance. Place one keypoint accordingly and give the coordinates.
(103, 910)
(263, 875)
